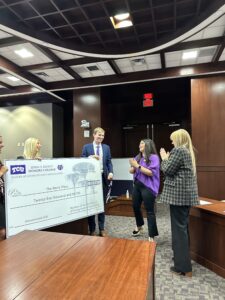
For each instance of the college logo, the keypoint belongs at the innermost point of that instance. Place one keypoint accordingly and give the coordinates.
(60, 167)
(18, 169)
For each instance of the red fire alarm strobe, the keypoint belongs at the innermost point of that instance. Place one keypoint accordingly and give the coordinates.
(148, 100)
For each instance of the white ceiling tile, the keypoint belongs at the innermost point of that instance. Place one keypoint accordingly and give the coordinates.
(222, 57)
(219, 22)
(50, 75)
(4, 78)
(140, 68)
(39, 57)
(172, 63)
(4, 35)
(104, 65)
(204, 59)
(213, 32)
(188, 62)
(85, 75)
(154, 66)
(197, 36)
(126, 70)
(65, 56)
(122, 62)
(155, 58)
(175, 55)
(109, 72)
(97, 73)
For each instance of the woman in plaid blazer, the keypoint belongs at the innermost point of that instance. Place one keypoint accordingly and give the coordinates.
(180, 191)
(3, 170)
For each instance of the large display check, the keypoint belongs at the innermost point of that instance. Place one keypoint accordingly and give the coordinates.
(49, 192)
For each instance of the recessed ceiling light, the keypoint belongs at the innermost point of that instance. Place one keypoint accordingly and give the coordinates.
(121, 21)
(24, 53)
(189, 54)
(122, 16)
(12, 78)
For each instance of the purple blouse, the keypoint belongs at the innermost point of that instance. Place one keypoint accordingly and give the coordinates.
(151, 182)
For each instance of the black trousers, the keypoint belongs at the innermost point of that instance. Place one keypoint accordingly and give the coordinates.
(143, 194)
(180, 237)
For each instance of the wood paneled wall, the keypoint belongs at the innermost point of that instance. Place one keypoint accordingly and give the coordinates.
(86, 106)
(208, 132)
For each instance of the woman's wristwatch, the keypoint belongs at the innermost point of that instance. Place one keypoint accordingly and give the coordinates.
(139, 167)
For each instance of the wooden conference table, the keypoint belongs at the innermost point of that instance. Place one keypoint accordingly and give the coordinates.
(207, 235)
(45, 265)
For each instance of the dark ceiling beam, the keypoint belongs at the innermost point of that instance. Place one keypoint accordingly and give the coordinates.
(132, 20)
(87, 60)
(107, 14)
(163, 63)
(219, 50)
(11, 41)
(30, 79)
(114, 66)
(196, 44)
(69, 62)
(20, 90)
(153, 19)
(90, 23)
(7, 86)
(8, 66)
(67, 21)
(24, 99)
(198, 7)
(197, 70)
(175, 15)
(59, 64)
(42, 66)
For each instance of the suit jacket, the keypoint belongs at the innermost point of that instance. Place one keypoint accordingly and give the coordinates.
(180, 185)
(88, 150)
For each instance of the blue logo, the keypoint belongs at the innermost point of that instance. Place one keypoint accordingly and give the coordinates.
(18, 169)
(60, 167)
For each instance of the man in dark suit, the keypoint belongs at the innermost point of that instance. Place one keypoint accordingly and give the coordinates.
(102, 153)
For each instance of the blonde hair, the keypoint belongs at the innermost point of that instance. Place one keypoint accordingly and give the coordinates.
(30, 148)
(98, 129)
(181, 138)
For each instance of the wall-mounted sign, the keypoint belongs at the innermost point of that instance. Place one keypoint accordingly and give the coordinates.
(148, 100)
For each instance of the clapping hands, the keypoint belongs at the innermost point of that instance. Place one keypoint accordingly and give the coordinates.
(164, 155)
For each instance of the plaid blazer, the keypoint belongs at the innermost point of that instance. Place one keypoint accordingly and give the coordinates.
(2, 194)
(180, 185)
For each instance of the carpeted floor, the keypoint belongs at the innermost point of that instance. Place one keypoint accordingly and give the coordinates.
(204, 285)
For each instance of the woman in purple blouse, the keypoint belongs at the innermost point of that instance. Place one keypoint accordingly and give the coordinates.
(146, 169)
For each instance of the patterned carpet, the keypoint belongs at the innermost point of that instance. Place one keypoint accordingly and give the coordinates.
(204, 285)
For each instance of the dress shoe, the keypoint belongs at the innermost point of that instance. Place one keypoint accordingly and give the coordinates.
(93, 233)
(103, 233)
(176, 272)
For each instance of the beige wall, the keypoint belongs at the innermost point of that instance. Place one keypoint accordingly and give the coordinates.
(17, 123)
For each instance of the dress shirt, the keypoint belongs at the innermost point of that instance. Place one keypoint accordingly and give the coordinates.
(100, 154)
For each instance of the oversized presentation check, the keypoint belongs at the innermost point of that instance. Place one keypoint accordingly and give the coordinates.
(49, 192)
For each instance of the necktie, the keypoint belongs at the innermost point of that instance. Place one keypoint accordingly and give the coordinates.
(97, 150)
